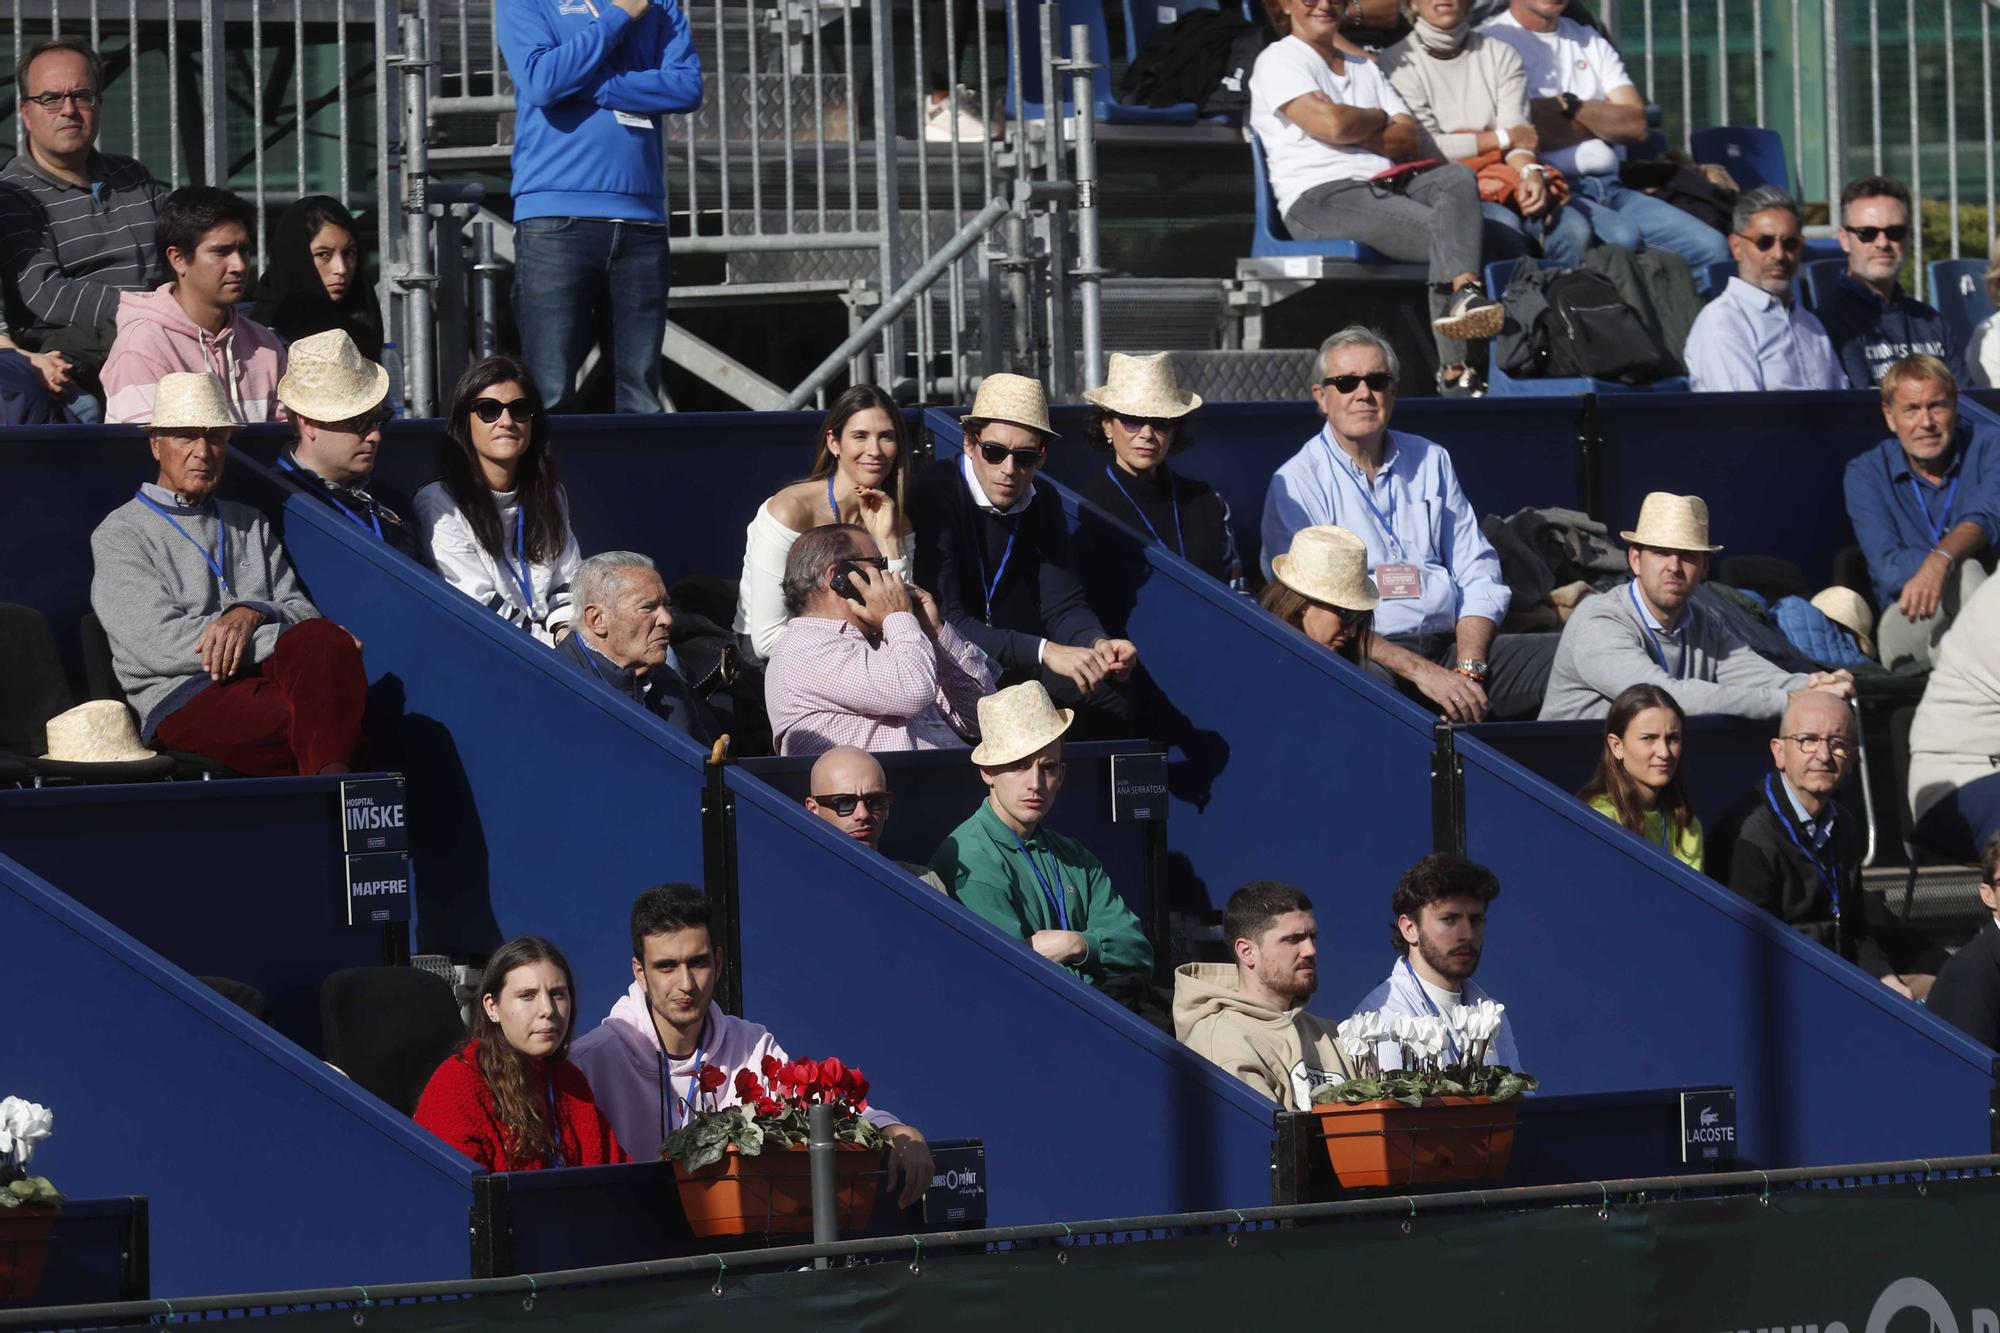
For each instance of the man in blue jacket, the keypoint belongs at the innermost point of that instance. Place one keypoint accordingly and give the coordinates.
(1873, 322)
(591, 80)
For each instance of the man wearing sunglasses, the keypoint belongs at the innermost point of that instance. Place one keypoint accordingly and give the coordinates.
(338, 401)
(1873, 322)
(864, 658)
(1755, 336)
(851, 792)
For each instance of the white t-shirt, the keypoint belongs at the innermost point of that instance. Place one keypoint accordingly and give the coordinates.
(1572, 59)
(1290, 69)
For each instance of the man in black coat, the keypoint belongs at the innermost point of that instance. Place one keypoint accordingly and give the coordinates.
(994, 548)
(621, 636)
(1967, 992)
(338, 401)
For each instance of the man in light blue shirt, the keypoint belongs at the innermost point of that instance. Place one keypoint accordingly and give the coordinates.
(1436, 632)
(1756, 335)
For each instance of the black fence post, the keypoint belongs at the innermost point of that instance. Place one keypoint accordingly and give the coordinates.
(719, 880)
(1447, 794)
(1590, 459)
(491, 1228)
(1291, 1166)
(1159, 909)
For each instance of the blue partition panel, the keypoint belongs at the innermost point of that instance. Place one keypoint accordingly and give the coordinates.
(266, 1169)
(1622, 969)
(243, 879)
(964, 1032)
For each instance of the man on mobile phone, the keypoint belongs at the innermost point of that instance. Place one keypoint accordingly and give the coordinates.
(865, 659)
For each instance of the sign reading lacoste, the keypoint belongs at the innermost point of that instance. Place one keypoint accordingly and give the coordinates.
(1138, 788)
(1708, 1125)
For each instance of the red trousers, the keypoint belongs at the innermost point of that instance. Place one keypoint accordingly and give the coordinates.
(297, 711)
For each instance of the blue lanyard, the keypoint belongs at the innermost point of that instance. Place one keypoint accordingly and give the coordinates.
(667, 1097)
(1940, 526)
(1386, 522)
(555, 1125)
(219, 561)
(832, 508)
(1059, 901)
(286, 464)
(524, 576)
(1450, 1042)
(1829, 876)
(979, 549)
(1658, 650)
(1173, 499)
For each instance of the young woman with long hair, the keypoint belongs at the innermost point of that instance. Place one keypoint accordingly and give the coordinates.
(496, 521)
(1639, 781)
(857, 476)
(509, 1098)
(313, 279)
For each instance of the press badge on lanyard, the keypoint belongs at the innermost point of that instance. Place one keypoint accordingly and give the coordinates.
(1396, 582)
(632, 120)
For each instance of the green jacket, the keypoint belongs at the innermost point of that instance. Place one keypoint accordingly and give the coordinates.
(985, 870)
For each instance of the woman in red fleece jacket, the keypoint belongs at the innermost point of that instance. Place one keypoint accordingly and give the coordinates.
(509, 1098)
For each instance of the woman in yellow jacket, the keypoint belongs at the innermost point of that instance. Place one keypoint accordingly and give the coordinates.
(1639, 782)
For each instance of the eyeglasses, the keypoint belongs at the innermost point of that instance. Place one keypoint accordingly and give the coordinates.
(1381, 381)
(1160, 425)
(873, 561)
(1839, 747)
(365, 424)
(1791, 245)
(1867, 235)
(521, 410)
(843, 803)
(997, 454)
(84, 98)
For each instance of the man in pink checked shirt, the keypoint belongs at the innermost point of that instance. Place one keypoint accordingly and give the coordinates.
(865, 659)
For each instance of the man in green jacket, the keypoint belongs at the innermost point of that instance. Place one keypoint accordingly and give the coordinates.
(1005, 866)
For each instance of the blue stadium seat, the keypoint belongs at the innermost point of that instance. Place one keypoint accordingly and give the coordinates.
(1499, 384)
(1958, 290)
(1145, 18)
(1272, 241)
(1816, 279)
(1754, 155)
(1027, 73)
(1719, 274)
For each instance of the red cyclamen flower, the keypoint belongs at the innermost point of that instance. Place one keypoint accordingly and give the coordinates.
(712, 1078)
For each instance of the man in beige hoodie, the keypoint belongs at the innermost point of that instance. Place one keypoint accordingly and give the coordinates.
(1249, 1017)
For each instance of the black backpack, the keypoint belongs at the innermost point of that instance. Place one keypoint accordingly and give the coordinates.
(1574, 322)
(1185, 62)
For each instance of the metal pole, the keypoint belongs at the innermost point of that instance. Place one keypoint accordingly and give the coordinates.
(420, 370)
(1916, 142)
(1951, 248)
(1054, 229)
(1986, 101)
(825, 1184)
(888, 202)
(174, 92)
(1757, 54)
(386, 168)
(257, 112)
(214, 144)
(1798, 143)
(340, 59)
(1646, 17)
(1722, 116)
(1875, 80)
(486, 292)
(1687, 80)
(1836, 111)
(299, 85)
(1088, 274)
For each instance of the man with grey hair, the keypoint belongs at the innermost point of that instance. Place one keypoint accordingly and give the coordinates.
(1756, 335)
(1436, 632)
(865, 659)
(620, 637)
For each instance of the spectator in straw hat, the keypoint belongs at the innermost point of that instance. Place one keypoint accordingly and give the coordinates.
(212, 638)
(1321, 589)
(1925, 505)
(995, 551)
(338, 401)
(1139, 416)
(1649, 632)
(1007, 867)
(1982, 348)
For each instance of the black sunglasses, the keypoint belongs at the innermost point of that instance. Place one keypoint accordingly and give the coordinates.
(1791, 245)
(1160, 425)
(365, 424)
(488, 410)
(1867, 235)
(1381, 381)
(843, 803)
(997, 454)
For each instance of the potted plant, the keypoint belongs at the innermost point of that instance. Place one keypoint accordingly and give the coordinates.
(28, 1204)
(742, 1168)
(1444, 1115)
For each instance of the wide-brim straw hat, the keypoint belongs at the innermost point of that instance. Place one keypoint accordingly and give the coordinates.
(1672, 523)
(1016, 722)
(1014, 399)
(1329, 565)
(327, 379)
(1849, 610)
(99, 732)
(1142, 386)
(191, 400)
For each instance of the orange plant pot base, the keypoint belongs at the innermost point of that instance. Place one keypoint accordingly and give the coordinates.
(1447, 1138)
(772, 1192)
(24, 1247)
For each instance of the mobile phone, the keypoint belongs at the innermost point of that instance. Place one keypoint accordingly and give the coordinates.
(842, 581)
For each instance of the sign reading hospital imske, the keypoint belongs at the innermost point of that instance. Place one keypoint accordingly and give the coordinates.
(377, 842)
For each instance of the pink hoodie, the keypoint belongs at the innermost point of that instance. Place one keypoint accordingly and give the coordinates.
(628, 1067)
(156, 337)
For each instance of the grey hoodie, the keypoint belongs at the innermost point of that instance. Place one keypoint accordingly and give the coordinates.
(1282, 1055)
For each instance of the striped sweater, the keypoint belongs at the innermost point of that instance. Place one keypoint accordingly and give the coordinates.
(496, 583)
(69, 250)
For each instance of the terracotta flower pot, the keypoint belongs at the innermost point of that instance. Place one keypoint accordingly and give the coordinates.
(1447, 1138)
(772, 1192)
(24, 1246)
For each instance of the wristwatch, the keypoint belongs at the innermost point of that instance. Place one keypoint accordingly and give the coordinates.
(1571, 105)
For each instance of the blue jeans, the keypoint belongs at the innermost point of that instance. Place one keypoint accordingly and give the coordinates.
(566, 270)
(1637, 221)
(1508, 235)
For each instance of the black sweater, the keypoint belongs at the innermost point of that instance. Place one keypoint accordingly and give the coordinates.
(1769, 868)
(1967, 991)
(1204, 518)
(369, 508)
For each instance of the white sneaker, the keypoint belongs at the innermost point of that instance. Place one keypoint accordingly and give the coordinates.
(962, 107)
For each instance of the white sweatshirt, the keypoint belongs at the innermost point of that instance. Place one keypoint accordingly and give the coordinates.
(495, 584)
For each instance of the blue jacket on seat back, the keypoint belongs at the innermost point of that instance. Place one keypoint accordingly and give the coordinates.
(590, 86)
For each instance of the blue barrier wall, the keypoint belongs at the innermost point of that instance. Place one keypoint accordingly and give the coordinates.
(265, 1169)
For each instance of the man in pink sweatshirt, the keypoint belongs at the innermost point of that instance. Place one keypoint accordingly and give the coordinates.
(645, 1059)
(192, 323)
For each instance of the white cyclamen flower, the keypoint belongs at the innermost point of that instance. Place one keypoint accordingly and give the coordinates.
(28, 1124)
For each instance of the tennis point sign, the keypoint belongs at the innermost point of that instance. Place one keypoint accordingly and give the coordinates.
(1904, 1294)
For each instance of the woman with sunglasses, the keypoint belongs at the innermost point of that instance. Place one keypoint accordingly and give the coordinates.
(495, 522)
(1139, 417)
(1639, 782)
(1321, 589)
(509, 1098)
(857, 477)
(1755, 335)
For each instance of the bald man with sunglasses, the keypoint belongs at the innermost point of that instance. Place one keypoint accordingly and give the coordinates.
(1755, 336)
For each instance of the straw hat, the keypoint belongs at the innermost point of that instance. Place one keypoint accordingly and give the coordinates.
(1849, 610)
(1672, 523)
(327, 379)
(99, 732)
(1016, 722)
(191, 400)
(1329, 565)
(1142, 386)
(1014, 399)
